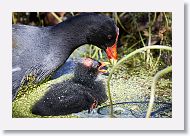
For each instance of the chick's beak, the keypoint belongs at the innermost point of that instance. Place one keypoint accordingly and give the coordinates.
(102, 68)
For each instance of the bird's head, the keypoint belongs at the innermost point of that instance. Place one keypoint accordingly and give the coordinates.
(104, 34)
(96, 66)
(88, 69)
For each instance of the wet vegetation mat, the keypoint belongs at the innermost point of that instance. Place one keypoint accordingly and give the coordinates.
(130, 89)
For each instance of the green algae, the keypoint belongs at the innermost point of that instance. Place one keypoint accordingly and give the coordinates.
(21, 107)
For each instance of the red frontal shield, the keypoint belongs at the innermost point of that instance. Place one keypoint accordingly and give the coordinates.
(112, 51)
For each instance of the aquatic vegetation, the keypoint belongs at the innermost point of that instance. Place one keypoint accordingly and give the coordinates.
(124, 59)
(128, 85)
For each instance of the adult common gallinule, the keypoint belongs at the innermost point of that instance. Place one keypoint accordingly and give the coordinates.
(82, 92)
(39, 51)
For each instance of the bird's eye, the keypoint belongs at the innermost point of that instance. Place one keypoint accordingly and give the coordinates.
(109, 37)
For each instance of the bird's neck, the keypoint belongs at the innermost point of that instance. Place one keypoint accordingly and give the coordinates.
(72, 34)
(84, 81)
(84, 75)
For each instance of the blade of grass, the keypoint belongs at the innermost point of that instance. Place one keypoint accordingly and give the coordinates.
(72, 13)
(14, 19)
(58, 19)
(142, 43)
(149, 40)
(166, 19)
(119, 21)
(154, 67)
(135, 44)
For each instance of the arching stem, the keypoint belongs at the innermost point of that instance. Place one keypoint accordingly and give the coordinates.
(153, 88)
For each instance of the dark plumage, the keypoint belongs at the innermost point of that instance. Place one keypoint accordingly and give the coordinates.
(82, 92)
(39, 51)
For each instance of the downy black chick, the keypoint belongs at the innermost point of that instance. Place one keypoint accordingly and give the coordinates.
(82, 92)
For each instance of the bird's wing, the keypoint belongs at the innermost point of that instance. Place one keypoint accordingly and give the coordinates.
(36, 74)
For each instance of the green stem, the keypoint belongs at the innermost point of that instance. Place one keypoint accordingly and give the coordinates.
(100, 53)
(142, 43)
(119, 21)
(124, 59)
(13, 16)
(56, 16)
(110, 98)
(166, 20)
(90, 51)
(149, 39)
(153, 88)
(154, 67)
(154, 19)
(96, 52)
(72, 13)
(135, 44)
(142, 40)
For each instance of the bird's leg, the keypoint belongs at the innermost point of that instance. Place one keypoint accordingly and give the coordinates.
(93, 106)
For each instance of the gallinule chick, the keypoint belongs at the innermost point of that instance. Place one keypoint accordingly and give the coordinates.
(37, 52)
(82, 92)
